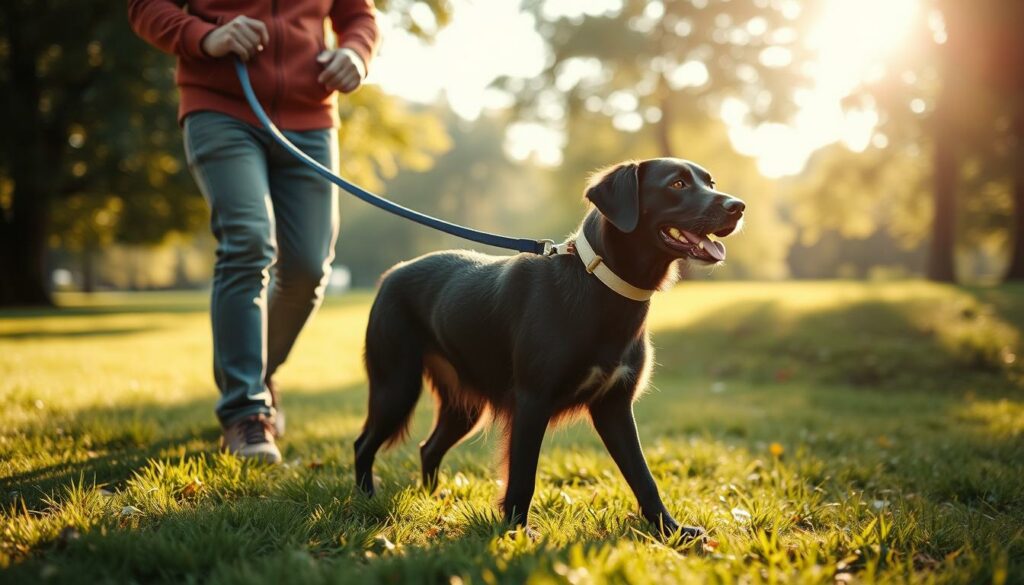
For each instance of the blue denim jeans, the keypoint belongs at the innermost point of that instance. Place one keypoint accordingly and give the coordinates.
(270, 215)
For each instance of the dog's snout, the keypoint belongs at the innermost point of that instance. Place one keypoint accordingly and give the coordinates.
(734, 206)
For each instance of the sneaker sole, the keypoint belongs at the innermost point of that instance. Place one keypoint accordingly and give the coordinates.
(266, 453)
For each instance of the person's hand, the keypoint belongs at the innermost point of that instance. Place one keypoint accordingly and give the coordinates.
(344, 70)
(242, 36)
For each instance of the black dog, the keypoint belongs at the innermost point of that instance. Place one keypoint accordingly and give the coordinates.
(534, 338)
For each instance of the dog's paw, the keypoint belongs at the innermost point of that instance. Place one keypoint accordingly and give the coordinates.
(676, 534)
(525, 531)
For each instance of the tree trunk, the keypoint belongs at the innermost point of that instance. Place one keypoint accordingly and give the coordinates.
(943, 241)
(1016, 271)
(945, 173)
(23, 279)
(24, 228)
(88, 269)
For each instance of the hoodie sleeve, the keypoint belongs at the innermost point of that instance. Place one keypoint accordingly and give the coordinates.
(165, 25)
(355, 23)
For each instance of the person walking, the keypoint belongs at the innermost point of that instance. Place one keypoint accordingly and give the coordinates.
(269, 213)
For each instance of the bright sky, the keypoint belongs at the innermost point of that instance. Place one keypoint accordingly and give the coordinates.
(491, 38)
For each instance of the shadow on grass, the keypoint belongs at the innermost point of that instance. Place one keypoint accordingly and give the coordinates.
(906, 346)
(99, 310)
(103, 445)
(79, 334)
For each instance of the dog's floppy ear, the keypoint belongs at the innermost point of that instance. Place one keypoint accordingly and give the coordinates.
(616, 194)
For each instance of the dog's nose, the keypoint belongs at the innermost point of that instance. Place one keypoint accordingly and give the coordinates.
(734, 206)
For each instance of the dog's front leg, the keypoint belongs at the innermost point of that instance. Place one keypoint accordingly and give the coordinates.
(613, 420)
(529, 422)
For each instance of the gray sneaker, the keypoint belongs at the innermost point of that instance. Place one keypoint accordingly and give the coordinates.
(251, 438)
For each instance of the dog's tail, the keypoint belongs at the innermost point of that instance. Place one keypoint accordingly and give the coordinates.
(394, 355)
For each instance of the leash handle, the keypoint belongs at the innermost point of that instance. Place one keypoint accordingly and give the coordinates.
(509, 243)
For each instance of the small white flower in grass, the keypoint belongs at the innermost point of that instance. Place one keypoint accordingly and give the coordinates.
(740, 515)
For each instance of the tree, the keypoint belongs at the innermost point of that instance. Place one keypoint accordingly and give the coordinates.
(660, 63)
(963, 73)
(91, 132)
(71, 80)
(995, 58)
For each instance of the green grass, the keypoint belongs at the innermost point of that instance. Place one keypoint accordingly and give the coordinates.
(822, 432)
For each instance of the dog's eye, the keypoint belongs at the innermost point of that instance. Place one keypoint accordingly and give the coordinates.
(678, 184)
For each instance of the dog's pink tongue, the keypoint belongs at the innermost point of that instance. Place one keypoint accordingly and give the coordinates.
(714, 248)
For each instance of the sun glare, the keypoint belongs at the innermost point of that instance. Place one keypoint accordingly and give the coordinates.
(851, 43)
(853, 39)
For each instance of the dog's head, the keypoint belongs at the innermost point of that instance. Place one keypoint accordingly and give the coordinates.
(669, 202)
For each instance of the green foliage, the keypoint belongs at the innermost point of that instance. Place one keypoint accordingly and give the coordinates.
(858, 194)
(381, 134)
(92, 153)
(473, 184)
(637, 62)
(105, 120)
(801, 473)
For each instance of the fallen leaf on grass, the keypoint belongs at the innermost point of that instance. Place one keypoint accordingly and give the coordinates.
(192, 489)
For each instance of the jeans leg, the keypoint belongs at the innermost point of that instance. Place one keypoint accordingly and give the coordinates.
(229, 164)
(306, 208)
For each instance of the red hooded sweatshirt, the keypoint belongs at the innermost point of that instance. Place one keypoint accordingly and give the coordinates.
(284, 75)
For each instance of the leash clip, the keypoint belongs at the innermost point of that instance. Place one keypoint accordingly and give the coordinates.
(549, 247)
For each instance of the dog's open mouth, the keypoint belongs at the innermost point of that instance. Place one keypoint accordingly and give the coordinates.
(698, 247)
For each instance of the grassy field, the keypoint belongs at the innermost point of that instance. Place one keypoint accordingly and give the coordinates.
(822, 432)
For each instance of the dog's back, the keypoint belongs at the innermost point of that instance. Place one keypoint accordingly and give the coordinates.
(468, 308)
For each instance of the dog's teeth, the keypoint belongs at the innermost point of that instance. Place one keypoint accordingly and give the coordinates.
(674, 232)
(700, 244)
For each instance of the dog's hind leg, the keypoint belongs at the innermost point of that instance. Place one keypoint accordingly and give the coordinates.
(394, 365)
(453, 423)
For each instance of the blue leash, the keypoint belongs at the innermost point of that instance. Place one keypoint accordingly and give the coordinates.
(517, 244)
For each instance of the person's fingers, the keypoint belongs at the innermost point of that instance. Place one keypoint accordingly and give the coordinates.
(250, 44)
(348, 82)
(249, 36)
(351, 84)
(236, 47)
(357, 61)
(344, 82)
(260, 29)
(332, 81)
(333, 68)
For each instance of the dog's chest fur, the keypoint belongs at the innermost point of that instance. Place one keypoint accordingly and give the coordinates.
(600, 380)
(631, 370)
